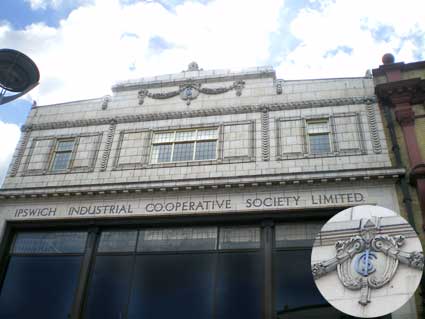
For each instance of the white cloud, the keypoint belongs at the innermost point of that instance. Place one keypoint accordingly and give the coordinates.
(351, 24)
(108, 41)
(54, 4)
(9, 137)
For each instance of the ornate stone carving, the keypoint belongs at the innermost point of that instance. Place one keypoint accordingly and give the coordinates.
(26, 132)
(356, 257)
(265, 135)
(108, 145)
(105, 101)
(373, 126)
(193, 66)
(190, 91)
(279, 86)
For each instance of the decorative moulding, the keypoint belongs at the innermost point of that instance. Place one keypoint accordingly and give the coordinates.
(371, 117)
(214, 182)
(190, 91)
(251, 108)
(265, 135)
(108, 145)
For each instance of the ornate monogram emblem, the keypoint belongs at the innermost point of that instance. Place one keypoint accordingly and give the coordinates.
(368, 261)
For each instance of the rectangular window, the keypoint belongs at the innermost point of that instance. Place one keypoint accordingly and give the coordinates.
(318, 136)
(183, 146)
(62, 154)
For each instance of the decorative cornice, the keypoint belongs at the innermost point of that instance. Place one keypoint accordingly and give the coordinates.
(348, 176)
(250, 108)
(404, 91)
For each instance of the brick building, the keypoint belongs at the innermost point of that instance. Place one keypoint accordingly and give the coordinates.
(400, 88)
(192, 195)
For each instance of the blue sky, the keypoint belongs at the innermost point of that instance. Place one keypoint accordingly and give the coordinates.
(82, 47)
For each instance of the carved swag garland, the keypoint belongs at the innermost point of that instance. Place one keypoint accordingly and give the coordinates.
(359, 252)
(190, 91)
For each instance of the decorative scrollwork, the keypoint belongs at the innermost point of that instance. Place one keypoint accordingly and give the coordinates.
(355, 259)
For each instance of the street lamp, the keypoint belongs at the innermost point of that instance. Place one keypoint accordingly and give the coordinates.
(18, 74)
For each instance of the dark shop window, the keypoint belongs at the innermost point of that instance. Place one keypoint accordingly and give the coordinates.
(41, 265)
(203, 272)
(192, 272)
(296, 295)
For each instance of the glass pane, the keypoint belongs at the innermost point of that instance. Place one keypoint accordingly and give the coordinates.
(207, 134)
(183, 152)
(318, 127)
(319, 144)
(173, 286)
(296, 234)
(239, 286)
(185, 135)
(237, 238)
(161, 153)
(118, 241)
(203, 238)
(35, 243)
(39, 287)
(109, 289)
(163, 137)
(65, 146)
(296, 294)
(61, 161)
(205, 150)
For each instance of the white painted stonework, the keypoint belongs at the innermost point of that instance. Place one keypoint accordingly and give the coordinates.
(264, 159)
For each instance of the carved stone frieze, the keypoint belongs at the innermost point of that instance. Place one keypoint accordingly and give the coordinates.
(368, 260)
(190, 90)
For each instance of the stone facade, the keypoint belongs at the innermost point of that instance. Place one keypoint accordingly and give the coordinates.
(262, 146)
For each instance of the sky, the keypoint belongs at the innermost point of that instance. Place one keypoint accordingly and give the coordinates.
(83, 47)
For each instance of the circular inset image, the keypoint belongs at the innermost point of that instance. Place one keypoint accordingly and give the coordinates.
(367, 261)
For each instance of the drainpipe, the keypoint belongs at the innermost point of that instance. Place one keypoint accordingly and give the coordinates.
(407, 199)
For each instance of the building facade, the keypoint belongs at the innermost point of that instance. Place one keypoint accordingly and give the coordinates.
(192, 195)
(400, 89)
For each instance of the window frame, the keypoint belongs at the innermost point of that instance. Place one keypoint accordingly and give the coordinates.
(195, 141)
(329, 133)
(55, 151)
